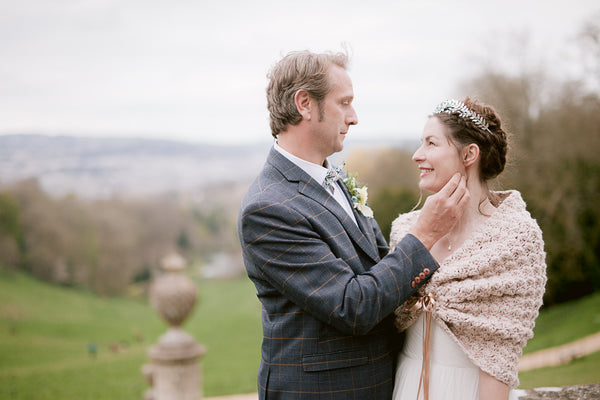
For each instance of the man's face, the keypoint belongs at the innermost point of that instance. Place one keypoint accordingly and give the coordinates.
(336, 113)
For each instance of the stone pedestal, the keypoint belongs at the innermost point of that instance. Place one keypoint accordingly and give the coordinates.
(174, 372)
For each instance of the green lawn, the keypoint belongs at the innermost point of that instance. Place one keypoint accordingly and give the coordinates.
(45, 331)
(583, 370)
(566, 322)
(562, 324)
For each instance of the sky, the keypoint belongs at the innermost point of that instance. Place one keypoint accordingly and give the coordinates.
(195, 70)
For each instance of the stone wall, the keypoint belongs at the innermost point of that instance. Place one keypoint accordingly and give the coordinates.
(579, 392)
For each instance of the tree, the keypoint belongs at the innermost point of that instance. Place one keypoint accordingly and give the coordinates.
(555, 164)
(12, 242)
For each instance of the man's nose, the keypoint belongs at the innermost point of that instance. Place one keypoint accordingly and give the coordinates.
(352, 118)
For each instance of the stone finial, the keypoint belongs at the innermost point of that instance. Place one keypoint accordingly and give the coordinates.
(174, 373)
(173, 295)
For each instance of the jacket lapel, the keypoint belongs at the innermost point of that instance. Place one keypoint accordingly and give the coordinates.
(318, 193)
(362, 234)
(363, 222)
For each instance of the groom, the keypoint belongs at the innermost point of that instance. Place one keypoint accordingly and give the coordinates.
(322, 271)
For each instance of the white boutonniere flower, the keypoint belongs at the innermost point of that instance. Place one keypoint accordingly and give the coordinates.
(359, 195)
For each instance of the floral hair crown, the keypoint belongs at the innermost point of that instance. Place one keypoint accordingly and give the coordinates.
(459, 108)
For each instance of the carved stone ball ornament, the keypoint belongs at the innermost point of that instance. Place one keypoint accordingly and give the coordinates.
(173, 295)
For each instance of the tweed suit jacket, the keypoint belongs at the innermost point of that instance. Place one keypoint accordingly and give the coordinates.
(328, 288)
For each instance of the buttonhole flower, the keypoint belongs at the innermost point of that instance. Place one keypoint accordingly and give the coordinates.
(359, 195)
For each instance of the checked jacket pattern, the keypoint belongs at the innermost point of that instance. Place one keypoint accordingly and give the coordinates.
(328, 288)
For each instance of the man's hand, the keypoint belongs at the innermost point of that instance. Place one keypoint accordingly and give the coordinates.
(441, 211)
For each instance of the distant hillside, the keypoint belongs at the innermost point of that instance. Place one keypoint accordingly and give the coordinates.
(103, 167)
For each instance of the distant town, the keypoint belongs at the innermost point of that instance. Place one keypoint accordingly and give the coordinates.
(109, 167)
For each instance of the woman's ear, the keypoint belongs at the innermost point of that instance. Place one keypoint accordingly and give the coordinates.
(303, 103)
(470, 154)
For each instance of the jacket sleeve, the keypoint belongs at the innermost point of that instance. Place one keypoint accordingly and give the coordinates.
(382, 246)
(281, 247)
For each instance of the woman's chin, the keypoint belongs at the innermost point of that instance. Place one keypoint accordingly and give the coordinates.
(428, 188)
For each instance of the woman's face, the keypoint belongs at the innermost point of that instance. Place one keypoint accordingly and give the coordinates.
(437, 158)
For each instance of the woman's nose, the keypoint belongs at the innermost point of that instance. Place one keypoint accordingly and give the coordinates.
(418, 155)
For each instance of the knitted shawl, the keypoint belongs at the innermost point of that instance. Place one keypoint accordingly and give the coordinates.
(489, 290)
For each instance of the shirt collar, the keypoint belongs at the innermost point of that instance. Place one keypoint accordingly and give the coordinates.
(316, 171)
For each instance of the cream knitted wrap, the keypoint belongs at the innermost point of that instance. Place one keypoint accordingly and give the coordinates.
(489, 291)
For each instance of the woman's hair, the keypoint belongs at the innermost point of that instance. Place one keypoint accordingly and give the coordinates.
(464, 129)
(296, 71)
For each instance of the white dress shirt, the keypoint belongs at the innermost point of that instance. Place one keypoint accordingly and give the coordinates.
(318, 172)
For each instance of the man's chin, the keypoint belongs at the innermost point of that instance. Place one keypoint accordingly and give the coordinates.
(338, 148)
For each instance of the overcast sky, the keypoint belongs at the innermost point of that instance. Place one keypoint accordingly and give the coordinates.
(196, 70)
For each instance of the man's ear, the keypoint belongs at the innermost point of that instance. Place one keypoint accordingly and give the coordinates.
(303, 103)
(470, 154)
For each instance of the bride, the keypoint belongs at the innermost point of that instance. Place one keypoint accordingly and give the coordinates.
(465, 329)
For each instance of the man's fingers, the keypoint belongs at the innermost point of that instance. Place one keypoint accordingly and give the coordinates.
(459, 192)
(462, 202)
(451, 185)
(441, 211)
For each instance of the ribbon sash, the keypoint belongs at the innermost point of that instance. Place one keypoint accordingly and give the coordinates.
(426, 304)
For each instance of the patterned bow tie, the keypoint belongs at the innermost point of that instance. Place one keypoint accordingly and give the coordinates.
(333, 174)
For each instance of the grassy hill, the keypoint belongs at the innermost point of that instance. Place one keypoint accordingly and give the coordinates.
(562, 324)
(45, 332)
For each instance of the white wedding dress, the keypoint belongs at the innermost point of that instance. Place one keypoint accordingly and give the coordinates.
(452, 376)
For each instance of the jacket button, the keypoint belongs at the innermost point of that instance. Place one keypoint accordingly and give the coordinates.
(417, 279)
(427, 271)
(412, 284)
(422, 275)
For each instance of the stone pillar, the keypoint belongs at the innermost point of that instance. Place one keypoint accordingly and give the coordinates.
(174, 372)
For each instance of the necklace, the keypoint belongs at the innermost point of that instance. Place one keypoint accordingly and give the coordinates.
(484, 207)
(449, 242)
